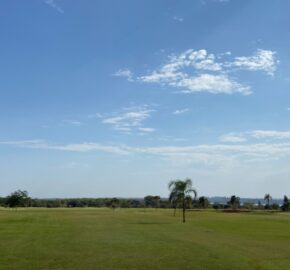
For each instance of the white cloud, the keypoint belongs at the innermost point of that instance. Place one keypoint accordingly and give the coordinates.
(88, 147)
(214, 84)
(207, 154)
(199, 71)
(172, 72)
(264, 60)
(130, 119)
(78, 147)
(146, 129)
(181, 111)
(224, 54)
(54, 5)
(255, 134)
(272, 134)
(232, 138)
(126, 73)
(235, 147)
(178, 18)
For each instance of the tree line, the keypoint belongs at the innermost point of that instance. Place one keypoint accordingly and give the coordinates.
(182, 196)
(21, 198)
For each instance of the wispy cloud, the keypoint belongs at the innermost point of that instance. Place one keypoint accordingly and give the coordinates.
(232, 138)
(72, 122)
(272, 134)
(172, 139)
(239, 149)
(208, 154)
(146, 129)
(263, 60)
(178, 18)
(78, 147)
(255, 134)
(199, 71)
(130, 119)
(54, 5)
(126, 73)
(181, 111)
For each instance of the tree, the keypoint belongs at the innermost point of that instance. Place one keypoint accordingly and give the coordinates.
(114, 203)
(180, 193)
(2, 201)
(148, 201)
(18, 198)
(234, 202)
(151, 201)
(203, 202)
(156, 200)
(286, 204)
(267, 198)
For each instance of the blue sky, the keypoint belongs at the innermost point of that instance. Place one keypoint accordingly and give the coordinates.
(117, 98)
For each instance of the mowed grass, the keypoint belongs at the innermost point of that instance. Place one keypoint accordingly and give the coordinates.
(133, 239)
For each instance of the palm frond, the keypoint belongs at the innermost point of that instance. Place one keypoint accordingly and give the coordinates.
(188, 182)
(192, 190)
(171, 184)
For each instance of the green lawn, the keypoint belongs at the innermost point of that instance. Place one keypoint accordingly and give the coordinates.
(133, 239)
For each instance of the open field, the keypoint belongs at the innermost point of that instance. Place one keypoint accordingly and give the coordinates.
(133, 239)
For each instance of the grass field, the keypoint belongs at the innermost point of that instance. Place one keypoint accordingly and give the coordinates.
(133, 239)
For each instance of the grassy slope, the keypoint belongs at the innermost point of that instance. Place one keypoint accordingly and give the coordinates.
(87, 239)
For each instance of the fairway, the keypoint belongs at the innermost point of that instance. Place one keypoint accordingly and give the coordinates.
(133, 239)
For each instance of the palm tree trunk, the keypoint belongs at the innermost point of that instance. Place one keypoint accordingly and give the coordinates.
(183, 211)
(174, 213)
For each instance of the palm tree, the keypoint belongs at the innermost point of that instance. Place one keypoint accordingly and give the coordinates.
(180, 191)
(268, 198)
